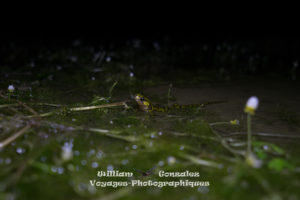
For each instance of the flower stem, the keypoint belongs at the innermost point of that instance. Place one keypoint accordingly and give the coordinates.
(249, 133)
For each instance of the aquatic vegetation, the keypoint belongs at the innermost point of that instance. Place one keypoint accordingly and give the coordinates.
(73, 123)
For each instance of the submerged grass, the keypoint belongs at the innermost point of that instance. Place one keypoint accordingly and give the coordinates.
(123, 140)
(100, 128)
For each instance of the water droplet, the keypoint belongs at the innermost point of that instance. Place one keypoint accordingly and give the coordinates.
(92, 189)
(7, 161)
(161, 163)
(124, 162)
(171, 160)
(60, 170)
(131, 74)
(43, 159)
(203, 189)
(110, 168)
(108, 59)
(20, 150)
(95, 165)
(134, 146)
(181, 147)
(160, 133)
(83, 162)
(76, 153)
(82, 186)
(73, 58)
(99, 154)
(229, 169)
(54, 169)
(91, 152)
(150, 144)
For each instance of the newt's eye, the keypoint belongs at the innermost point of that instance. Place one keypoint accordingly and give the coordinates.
(142, 99)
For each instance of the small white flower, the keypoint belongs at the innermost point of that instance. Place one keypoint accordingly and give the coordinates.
(67, 151)
(11, 88)
(251, 105)
(253, 161)
(171, 160)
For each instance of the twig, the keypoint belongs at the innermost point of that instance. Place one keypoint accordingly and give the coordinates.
(8, 105)
(193, 135)
(200, 161)
(47, 104)
(15, 111)
(225, 144)
(109, 134)
(123, 103)
(28, 108)
(38, 104)
(23, 104)
(14, 136)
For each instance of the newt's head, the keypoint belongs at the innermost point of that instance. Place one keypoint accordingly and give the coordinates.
(143, 102)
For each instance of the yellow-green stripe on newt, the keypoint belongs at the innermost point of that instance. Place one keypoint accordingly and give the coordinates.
(145, 105)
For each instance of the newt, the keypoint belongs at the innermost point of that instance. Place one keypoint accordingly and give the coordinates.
(145, 105)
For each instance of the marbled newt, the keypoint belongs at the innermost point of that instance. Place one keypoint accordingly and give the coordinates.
(145, 105)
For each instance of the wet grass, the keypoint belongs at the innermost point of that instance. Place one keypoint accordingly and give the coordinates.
(123, 138)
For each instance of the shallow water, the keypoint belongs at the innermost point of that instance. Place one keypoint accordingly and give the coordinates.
(60, 155)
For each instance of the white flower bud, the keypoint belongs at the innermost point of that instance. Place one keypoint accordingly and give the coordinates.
(11, 88)
(251, 105)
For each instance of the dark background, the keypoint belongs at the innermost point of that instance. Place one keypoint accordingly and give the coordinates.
(187, 51)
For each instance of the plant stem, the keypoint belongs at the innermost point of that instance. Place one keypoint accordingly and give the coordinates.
(123, 103)
(200, 161)
(249, 133)
(14, 136)
(111, 88)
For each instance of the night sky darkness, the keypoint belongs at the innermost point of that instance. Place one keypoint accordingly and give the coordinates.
(276, 54)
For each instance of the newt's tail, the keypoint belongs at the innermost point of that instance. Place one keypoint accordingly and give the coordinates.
(212, 102)
(176, 106)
